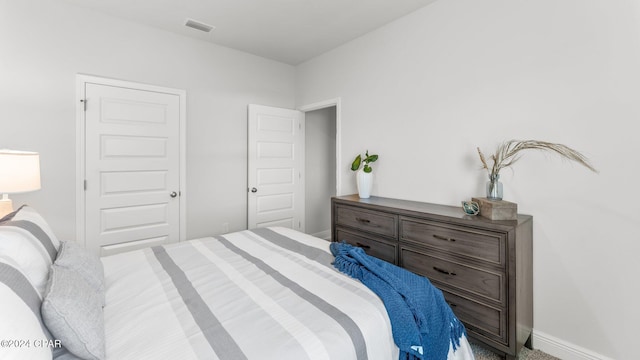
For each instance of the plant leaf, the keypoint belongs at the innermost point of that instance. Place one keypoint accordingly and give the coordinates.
(371, 158)
(355, 165)
(367, 169)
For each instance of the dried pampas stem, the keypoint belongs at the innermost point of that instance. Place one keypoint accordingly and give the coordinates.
(509, 152)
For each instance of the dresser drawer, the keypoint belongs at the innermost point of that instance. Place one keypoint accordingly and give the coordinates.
(448, 273)
(482, 245)
(377, 222)
(375, 247)
(486, 321)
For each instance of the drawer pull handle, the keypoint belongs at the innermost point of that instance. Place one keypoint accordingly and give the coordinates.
(443, 271)
(365, 221)
(443, 238)
(363, 246)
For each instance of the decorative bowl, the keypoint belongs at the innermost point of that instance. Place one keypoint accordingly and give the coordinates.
(470, 207)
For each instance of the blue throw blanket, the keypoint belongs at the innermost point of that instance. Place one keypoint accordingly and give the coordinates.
(422, 323)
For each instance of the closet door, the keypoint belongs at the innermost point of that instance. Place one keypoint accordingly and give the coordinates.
(132, 167)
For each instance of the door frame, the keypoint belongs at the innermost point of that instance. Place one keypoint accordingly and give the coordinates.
(325, 104)
(81, 81)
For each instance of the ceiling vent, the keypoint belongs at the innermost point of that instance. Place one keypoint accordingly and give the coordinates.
(199, 25)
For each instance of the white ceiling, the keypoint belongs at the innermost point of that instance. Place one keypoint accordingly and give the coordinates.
(290, 31)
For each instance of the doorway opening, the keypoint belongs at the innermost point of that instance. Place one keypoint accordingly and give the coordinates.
(321, 165)
(293, 166)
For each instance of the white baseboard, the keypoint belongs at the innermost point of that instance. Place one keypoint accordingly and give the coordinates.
(562, 349)
(325, 234)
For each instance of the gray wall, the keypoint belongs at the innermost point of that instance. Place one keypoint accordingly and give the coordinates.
(424, 91)
(41, 57)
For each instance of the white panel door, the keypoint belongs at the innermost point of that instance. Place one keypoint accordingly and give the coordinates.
(275, 167)
(132, 168)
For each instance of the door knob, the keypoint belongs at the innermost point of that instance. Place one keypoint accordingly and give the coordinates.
(173, 194)
(254, 190)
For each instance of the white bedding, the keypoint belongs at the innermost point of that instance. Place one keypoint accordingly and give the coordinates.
(263, 294)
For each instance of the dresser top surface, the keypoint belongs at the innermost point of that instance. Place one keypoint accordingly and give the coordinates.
(453, 212)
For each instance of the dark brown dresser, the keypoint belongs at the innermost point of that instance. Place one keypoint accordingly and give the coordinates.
(483, 267)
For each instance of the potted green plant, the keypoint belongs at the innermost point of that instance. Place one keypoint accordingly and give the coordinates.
(364, 176)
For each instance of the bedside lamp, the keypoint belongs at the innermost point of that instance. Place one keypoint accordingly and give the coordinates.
(19, 172)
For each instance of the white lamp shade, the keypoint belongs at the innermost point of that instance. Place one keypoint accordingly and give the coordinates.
(19, 171)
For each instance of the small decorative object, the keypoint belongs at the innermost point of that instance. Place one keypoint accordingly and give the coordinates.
(509, 152)
(497, 209)
(470, 207)
(364, 176)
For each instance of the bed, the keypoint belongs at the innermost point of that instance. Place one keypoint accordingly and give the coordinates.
(269, 293)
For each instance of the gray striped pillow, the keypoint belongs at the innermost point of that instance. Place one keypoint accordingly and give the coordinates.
(28, 241)
(20, 314)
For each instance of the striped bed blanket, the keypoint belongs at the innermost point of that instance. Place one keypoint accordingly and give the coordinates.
(269, 293)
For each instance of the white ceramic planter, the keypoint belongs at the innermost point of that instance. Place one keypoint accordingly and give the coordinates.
(365, 183)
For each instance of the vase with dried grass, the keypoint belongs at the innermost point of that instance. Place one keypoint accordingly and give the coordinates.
(509, 152)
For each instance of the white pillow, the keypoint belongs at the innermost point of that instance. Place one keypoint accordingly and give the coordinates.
(72, 310)
(28, 240)
(27, 213)
(20, 314)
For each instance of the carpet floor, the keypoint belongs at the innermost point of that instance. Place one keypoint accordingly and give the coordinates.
(482, 353)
